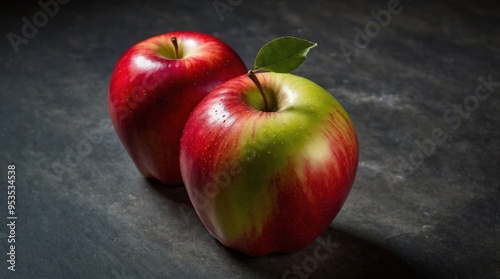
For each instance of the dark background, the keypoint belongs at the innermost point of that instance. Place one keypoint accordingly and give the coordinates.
(94, 216)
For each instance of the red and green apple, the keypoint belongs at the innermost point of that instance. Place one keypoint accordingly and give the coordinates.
(154, 87)
(267, 169)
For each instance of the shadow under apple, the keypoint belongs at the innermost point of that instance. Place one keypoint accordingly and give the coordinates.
(334, 254)
(176, 193)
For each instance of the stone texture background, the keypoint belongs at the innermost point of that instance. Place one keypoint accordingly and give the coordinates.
(437, 218)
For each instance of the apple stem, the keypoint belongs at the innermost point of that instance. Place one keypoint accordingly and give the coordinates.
(176, 47)
(253, 77)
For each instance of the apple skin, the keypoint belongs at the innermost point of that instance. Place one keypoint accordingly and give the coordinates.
(268, 182)
(151, 95)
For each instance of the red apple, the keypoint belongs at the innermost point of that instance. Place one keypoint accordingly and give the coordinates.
(154, 87)
(268, 176)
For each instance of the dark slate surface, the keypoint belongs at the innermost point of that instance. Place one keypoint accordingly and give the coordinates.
(98, 218)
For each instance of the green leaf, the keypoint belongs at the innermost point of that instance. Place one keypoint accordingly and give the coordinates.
(282, 55)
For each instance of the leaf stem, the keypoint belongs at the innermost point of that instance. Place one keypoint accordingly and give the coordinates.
(176, 47)
(253, 77)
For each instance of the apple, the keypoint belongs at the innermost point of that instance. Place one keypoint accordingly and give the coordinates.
(154, 87)
(268, 161)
